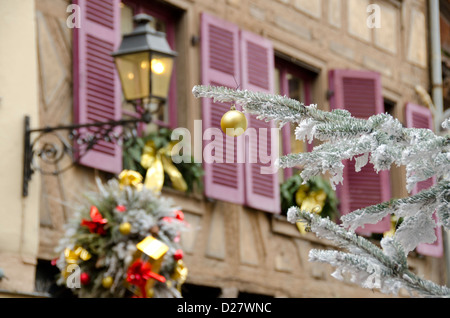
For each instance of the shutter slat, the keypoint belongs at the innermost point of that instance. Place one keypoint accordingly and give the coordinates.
(220, 67)
(359, 92)
(420, 117)
(257, 60)
(97, 91)
(103, 12)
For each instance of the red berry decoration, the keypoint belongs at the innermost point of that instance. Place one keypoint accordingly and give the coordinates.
(85, 278)
(178, 255)
(121, 208)
(179, 215)
(167, 219)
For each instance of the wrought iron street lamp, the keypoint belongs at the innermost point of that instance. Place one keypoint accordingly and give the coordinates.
(144, 62)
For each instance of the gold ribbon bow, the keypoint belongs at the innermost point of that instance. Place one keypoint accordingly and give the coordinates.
(73, 257)
(130, 178)
(311, 201)
(157, 162)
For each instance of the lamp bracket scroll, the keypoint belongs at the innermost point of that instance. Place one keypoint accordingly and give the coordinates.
(144, 61)
(54, 150)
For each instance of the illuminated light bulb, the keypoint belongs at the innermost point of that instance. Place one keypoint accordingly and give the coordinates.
(130, 76)
(157, 66)
(144, 65)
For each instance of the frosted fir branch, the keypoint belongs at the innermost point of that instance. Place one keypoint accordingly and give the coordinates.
(390, 143)
(443, 208)
(417, 211)
(416, 229)
(446, 124)
(382, 141)
(368, 265)
(432, 197)
(362, 272)
(268, 106)
(326, 158)
(325, 228)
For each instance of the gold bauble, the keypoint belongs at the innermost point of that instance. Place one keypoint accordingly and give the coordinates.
(235, 120)
(125, 228)
(107, 281)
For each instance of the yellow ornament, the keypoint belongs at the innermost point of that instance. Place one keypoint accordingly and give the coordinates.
(107, 281)
(125, 228)
(73, 257)
(150, 292)
(233, 122)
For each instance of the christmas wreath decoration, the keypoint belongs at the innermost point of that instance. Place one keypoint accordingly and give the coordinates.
(123, 241)
(316, 196)
(150, 155)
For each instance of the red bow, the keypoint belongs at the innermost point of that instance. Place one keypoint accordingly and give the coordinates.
(97, 225)
(138, 274)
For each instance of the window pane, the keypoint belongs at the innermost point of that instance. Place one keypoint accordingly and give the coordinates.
(126, 19)
(296, 88)
(277, 81)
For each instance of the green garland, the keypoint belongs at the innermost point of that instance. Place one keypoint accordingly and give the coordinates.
(192, 172)
(290, 187)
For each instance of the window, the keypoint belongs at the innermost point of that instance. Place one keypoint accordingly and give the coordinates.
(294, 82)
(229, 56)
(97, 90)
(164, 21)
(389, 107)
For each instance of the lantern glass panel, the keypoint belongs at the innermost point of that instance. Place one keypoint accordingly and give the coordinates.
(161, 67)
(134, 71)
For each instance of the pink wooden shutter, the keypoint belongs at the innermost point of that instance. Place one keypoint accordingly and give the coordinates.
(420, 117)
(220, 67)
(286, 130)
(257, 61)
(359, 92)
(97, 91)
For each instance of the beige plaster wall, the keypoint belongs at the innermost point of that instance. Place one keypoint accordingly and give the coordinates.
(19, 217)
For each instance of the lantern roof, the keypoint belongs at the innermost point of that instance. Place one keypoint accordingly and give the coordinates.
(144, 38)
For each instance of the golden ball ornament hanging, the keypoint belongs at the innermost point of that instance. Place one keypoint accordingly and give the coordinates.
(125, 228)
(235, 120)
(107, 281)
